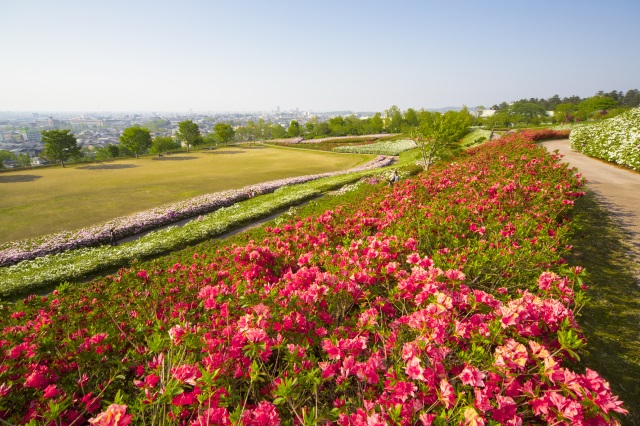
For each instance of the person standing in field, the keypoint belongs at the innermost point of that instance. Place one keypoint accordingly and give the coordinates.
(112, 239)
(394, 178)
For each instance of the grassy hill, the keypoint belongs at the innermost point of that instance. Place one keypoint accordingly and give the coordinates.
(38, 202)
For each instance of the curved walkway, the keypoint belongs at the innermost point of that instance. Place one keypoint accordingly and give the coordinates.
(618, 188)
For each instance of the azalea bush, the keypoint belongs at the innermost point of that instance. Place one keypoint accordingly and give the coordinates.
(443, 299)
(616, 140)
(14, 252)
(380, 148)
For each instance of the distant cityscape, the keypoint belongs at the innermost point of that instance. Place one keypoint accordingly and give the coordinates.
(20, 132)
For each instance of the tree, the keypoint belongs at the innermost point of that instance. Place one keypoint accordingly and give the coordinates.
(353, 125)
(310, 127)
(322, 129)
(337, 126)
(394, 117)
(6, 156)
(109, 152)
(440, 133)
(564, 112)
(552, 103)
(136, 139)
(411, 117)
(529, 110)
(23, 160)
(224, 132)
(631, 98)
(376, 124)
(189, 133)
(113, 150)
(278, 132)
(499, 119)
(294, 129)
(163, 144)
(593, 105)
(60, 145)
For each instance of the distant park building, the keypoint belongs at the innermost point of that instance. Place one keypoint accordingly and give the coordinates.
(484, 113)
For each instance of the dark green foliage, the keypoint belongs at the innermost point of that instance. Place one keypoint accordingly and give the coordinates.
(294, 129)
(163, 144)
(136, 139)
(189, 133)
(224, 133)
(60, 145)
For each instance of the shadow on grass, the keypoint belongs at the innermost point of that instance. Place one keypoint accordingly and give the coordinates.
(611, 318)
(107, 167)
(174, 158)
(18, 178)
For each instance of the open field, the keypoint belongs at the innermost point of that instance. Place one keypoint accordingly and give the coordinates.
(39, 202)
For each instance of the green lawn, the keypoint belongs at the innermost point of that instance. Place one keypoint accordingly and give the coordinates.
(42, 201)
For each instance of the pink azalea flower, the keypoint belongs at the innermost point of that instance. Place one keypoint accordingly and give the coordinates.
(414, 370)
(151, 380)
(114, 416)
(4, 390)
(37, 379)
(471, 376)
(51, 391)
(447, 394)
(186, 373)
(211, 417)
(176, 333)
(265, 414)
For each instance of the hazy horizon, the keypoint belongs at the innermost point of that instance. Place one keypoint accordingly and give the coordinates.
(254, 56)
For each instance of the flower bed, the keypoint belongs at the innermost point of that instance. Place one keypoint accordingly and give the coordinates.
(125, 226)
(380, 148)
(45, 271)
(329, 145)
(616, 140)
(429, 302)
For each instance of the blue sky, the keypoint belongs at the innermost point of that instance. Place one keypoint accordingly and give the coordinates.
(67, 55)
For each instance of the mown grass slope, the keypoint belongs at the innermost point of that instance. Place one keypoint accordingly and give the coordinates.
(39, 202)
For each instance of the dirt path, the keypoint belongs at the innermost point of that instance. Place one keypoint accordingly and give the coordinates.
(619, 189)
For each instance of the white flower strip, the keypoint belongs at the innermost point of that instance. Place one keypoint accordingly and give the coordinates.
(616, 140)
(14, 252)
(380, 148)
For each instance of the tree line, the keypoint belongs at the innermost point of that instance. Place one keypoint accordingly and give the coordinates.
(392, 121)
(571, 109)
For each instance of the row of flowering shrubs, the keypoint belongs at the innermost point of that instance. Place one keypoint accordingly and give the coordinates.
(379, 148)
(14, 252)
(427, 302)
(544, 134)
(616, 140)
(72, 265)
